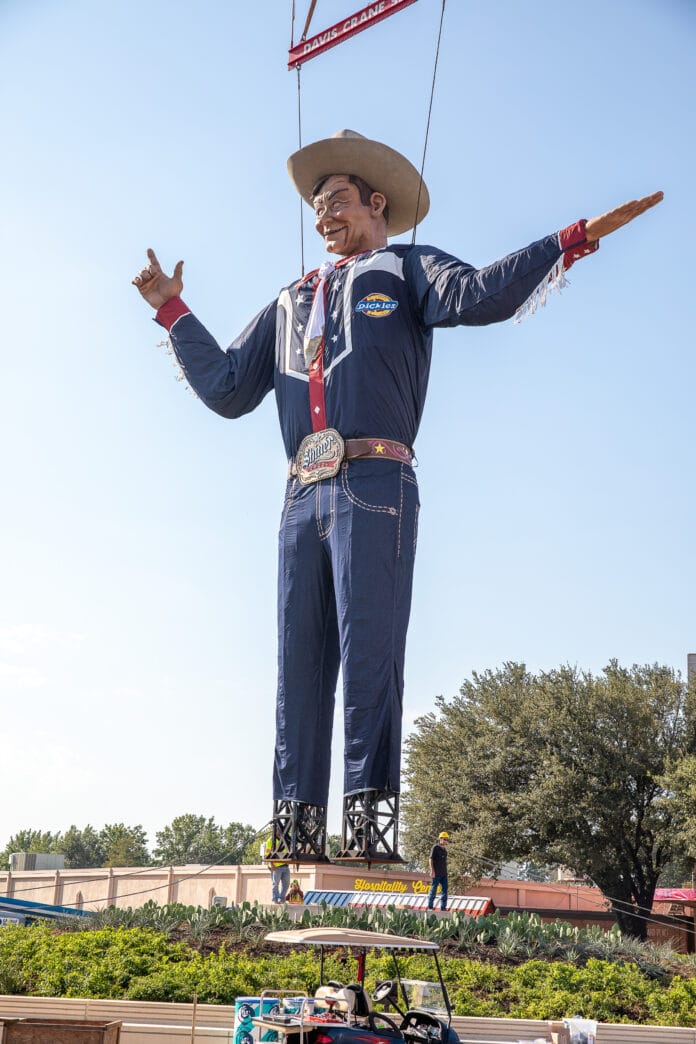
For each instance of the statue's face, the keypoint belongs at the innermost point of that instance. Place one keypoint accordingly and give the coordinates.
(347, 225)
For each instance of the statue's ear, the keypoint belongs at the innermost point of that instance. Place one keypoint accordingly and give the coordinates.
(378, 202)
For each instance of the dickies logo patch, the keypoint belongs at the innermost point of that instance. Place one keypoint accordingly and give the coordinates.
(377, 306)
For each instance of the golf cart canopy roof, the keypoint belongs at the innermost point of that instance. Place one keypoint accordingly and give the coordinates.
(349, 937)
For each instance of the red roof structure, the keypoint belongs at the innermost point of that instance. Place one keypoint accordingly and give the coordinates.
(675, 895)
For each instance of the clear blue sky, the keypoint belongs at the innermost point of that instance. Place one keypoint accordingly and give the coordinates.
(137, 617)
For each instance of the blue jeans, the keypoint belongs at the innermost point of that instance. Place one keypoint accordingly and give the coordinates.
(280, 878)
(346, 551)
(442, 882)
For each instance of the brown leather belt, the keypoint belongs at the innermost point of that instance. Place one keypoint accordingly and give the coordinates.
(370, 449)
(357, 449)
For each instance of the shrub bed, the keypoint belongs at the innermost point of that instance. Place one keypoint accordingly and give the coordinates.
(143, 964)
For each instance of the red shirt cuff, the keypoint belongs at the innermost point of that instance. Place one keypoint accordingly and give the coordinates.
(574, 243)
(170, 311)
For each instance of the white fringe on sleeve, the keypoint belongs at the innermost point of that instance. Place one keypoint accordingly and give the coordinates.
(179, 376)
(555, 280)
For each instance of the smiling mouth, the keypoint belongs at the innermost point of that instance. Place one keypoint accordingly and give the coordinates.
(334, 232)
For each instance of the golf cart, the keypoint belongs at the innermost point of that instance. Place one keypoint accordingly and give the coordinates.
(346, 1014)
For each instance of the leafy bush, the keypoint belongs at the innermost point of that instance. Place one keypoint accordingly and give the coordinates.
(675, 1005)
(628, 983)
(86, 964)
(611, 992)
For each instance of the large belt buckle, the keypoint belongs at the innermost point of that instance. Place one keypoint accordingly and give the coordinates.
(319, 456)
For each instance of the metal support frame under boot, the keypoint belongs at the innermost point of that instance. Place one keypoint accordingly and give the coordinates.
(298, 833)
(370, 830)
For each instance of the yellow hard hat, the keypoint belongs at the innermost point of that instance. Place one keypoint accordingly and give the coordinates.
(443, 834)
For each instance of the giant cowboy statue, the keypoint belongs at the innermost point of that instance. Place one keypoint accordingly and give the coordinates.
(347, 351)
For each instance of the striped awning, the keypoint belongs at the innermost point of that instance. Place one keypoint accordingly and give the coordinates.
(474, 905)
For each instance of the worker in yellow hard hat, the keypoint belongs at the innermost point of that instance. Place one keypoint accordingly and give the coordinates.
(438, 870)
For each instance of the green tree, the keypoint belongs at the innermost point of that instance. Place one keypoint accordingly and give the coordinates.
(252, 853)
(124, 846)
(680, 783)
(562, 768)
(188, 839)
(195, 839)
(678, 873)
(82, 848)
(236, 838)
(30, 841)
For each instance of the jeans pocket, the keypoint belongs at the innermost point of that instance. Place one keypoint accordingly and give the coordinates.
(371, 491)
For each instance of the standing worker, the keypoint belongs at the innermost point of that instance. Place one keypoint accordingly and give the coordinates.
(438, 870)
(280, 874)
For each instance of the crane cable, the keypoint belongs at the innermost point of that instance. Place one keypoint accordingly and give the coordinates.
(427, 126)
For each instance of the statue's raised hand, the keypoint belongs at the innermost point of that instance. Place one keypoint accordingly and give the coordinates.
(604, 224)
(155, 286)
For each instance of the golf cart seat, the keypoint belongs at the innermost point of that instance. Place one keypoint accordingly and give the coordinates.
(362, 1006)
(336, 999)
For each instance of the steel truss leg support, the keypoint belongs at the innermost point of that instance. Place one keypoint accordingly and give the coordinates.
(371, 827)
(298, 833)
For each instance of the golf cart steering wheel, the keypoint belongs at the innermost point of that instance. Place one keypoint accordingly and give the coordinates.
(383, 990)
(377, 1020)
(420, 1026)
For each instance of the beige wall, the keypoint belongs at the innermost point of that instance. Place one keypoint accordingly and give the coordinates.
(197, 885)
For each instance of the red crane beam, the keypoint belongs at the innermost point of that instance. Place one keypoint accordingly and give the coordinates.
(350, 26)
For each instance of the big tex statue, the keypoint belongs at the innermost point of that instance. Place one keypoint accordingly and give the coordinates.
(347, 351)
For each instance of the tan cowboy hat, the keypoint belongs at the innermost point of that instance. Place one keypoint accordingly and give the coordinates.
(385, 170)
